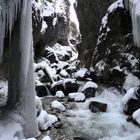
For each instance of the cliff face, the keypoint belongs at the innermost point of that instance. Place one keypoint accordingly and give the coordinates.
(90, 13)
(110, 47)
(50, 23)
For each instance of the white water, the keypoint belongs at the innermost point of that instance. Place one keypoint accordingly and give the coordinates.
(111, 125)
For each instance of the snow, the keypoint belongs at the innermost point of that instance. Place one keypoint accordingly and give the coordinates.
(131, 81)
(46, 120)
(90, 84)
(136, 116)
(57, 105)
(73, 16)
(115, 5)
(81, 73)
(77, 96)
(3, 88)
(130, 94)
(46, 138)
(59, 94)
(44, 26)
(48, 9)
(64, 73)
(9, 129)
(118, 68)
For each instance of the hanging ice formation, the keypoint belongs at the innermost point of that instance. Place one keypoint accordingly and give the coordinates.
(21, 93)
(133, 6)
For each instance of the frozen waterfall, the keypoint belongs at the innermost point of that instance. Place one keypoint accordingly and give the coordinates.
(16, 19)
(133, 6)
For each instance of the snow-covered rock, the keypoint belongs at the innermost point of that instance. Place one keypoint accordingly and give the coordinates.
(57, 105)
(59, 94)
(89, 89)
(136, 116)
(130, 94)
(131, 81)
(90, 84)
(129, 102)
(45, 120)
(46, 138)
(81, 74)
(77, 97)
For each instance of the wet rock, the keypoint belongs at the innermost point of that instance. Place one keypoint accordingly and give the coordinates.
(50, 56)
(58, 125)
(131, 106)
(42, 90)
(97, 107)
(71, 86)
(89, 89)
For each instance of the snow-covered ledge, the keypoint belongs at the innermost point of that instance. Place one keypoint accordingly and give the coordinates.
(133, 6)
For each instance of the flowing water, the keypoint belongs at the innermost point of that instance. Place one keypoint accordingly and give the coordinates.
(111, 125)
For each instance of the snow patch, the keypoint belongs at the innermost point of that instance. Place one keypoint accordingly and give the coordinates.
(57, 105)
(77, 96)
(136, 116)
(59, 94)
(46, 120)
(46, 138)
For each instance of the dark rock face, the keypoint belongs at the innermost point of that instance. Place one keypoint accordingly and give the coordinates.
(97, 107)
(131, 106)
(90, 13)
(89, 92)
(115, 51)
(41, 90)
(68, 87)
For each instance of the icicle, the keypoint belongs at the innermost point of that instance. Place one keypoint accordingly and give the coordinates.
(8, 14)
(133, 6)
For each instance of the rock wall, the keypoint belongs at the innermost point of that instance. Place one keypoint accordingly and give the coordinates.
(90, 13)
(50, 23)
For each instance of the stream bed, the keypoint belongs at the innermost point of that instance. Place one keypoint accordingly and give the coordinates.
(79, 123)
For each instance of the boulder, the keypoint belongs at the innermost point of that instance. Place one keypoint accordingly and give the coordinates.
(76, 97)
(131, 106)
(71, 86)
(89, 89)
(95, 107)
(42, 90)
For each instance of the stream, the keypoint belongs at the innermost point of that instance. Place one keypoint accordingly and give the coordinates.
(111, 125)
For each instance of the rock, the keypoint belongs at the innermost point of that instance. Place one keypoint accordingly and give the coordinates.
(115, 49)
(70, 86)
(76, 97)
(42, 90)
(58, 106)
(58, 125)
(82, 74)
(89, 26)
(59, 94)
(57, 86)
(131, 106)
(50, 56)
(66, 86)
(89, 89)
(97, 107)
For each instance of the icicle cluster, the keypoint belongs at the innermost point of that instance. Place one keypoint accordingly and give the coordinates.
(133, 6)
(8, 14)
